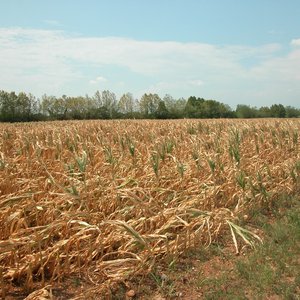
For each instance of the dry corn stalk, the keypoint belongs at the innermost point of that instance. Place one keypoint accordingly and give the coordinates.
(106, 199)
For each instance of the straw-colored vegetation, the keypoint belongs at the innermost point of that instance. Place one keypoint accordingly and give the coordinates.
(105, 200)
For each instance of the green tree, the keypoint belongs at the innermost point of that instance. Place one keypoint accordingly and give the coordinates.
(211, 109)
(55, 108)
(194, 107)
(109, 100)
(201, 108)
(76, 107)
(126, 104)
(277, 111)
(23, 107)
(245, 111)
(264, 112)
(18, 108)
(175, 107)
(162, 111)
(98, 99)
(7, 105)
(47, 103)
(292, 112)
(226, 111)
(149, 104)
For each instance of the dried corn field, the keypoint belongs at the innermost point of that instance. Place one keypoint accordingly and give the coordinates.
(106, 200)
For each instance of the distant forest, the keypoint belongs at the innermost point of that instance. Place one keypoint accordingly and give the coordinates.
(24, 107)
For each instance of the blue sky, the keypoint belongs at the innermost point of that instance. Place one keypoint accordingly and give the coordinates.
(234, 51)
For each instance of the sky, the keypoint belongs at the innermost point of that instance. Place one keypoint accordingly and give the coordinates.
(233, 51)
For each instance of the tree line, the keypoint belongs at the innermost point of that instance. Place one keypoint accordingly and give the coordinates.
(24, 107)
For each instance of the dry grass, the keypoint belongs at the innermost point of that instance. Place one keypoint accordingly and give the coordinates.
(105, 200)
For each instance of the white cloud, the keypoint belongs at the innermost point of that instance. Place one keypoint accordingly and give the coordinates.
(47, 61)
(196, 82)
(98, 79)
(101, 79)
(295, 42)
